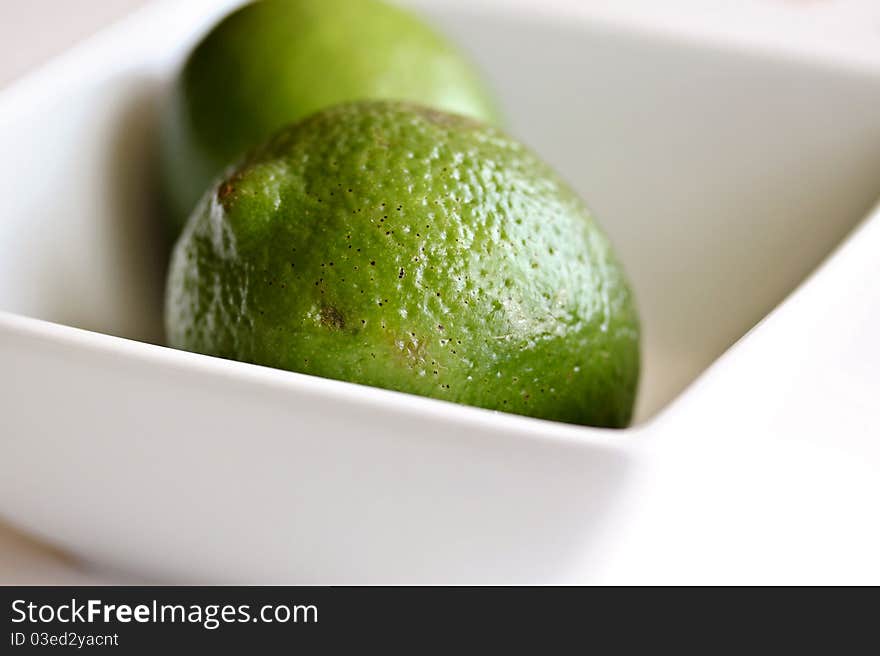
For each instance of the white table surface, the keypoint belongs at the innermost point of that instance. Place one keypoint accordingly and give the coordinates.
(34, 31)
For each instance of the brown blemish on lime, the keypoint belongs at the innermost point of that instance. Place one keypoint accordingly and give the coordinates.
(332, 317)
(225, 191)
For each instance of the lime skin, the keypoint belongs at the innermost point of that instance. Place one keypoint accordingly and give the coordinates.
(274, 62)
(393, 245)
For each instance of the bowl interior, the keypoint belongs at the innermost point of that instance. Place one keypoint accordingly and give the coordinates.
(723, 177)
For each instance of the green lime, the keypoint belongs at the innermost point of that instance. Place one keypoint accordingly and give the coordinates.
(397, 246)
(274, 62)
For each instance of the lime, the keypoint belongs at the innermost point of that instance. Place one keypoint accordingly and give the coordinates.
(397, 246)
(276, 61)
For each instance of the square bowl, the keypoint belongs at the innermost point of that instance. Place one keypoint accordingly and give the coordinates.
(724, 174)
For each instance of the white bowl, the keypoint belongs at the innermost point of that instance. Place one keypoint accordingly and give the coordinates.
(724, 174)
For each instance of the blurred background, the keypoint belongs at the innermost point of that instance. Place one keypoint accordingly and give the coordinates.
(34, 31)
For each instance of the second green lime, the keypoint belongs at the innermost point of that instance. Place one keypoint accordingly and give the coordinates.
(274, 62)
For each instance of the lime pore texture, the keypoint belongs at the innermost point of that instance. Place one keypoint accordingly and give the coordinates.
(397, 246)
(275, 62)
